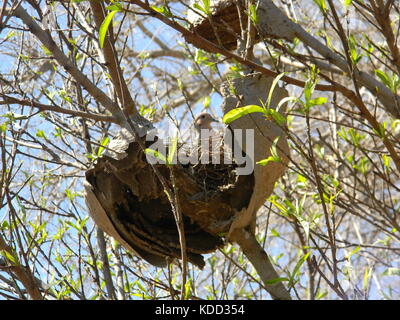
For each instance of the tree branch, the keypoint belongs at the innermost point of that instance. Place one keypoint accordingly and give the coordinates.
(111, 60)
(23, 274)
(45, 107)
(260, 261)
(46, 39)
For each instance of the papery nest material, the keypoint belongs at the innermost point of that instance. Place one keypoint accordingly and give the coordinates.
(222, 27)
(127, 201)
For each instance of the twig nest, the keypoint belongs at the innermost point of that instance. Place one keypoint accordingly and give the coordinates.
(222, 26)
(126, 200)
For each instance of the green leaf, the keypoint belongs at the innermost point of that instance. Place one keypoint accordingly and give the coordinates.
(140, 286)
(274, 157)
(355, 57)
(367, 276)
(10, 257)
(5, 225)
(348, 256)
(274, 233)
(163, 10)
(188, 289)
(46, 51)
(205, 8)
(40, 134)
(386, 160)
(271, 90)
(155, 154)
(264, 162)
(240, 112)
(284, 100)
(206, 102)
(206, 5)
(172, 150)
(321, 294)
(391, 272)
(70, 195)
(58, 132)
(276, 116)
(104, 26)
(252, 12)
(298, 266)
(103, 143)
(321, 4)
(318, 101)
(347, 3)
(114, 7)
(9, 35)
(391, 83)
(275, 281)
(308, 89)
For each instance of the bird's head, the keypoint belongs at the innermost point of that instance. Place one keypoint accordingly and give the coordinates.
(203, 121)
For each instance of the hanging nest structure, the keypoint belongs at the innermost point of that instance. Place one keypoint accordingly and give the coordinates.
(222, 26)
(126, 200)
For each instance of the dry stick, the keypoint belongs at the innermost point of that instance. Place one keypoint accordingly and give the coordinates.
(311, 279)
(23, 274)
(179, 224)
(111, 60)
(389, 100)
(45, 107)
(173, 199)
(259, 259)
(246, 240)
(320, 188)
(121, 295)
(124, 96)
(383, 18)
(4, 176)
(101, 242)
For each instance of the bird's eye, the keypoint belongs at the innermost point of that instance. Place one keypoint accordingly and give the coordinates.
(203, 116)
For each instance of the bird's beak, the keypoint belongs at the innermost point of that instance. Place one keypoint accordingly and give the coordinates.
(214, 120)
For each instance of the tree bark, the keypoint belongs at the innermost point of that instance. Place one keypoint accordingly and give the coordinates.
(260, 261)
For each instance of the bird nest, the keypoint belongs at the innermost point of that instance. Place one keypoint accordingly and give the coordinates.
(126, 188)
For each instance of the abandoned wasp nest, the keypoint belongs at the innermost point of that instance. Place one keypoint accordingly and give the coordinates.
(223, 26)
(127, 201)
